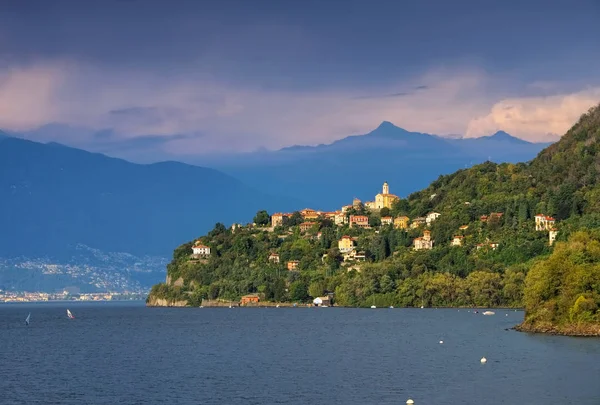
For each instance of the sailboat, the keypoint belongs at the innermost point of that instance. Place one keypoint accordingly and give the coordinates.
(27, 319)
(70, 315)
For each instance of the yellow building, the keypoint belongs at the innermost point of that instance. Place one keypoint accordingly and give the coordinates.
(309, 213)
(401, 222)
(346, 244)
(385, 199)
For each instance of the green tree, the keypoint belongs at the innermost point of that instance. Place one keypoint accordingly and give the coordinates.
(295, 219)
(316, 289)
(298, 291)
(262, 218)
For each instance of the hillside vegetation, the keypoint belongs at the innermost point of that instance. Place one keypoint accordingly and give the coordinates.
(499, 258)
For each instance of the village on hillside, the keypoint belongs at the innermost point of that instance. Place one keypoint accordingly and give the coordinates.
(353, 216)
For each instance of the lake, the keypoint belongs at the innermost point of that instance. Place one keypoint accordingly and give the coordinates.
(125, 353)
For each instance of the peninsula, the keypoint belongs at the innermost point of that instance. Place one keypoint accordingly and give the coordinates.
(509, 235)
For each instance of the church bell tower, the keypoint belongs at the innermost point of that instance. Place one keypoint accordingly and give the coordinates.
(386, 188)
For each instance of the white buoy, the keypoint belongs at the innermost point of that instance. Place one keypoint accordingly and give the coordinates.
(441, 342)
(410, 401)
(506, 314)
(483, 360)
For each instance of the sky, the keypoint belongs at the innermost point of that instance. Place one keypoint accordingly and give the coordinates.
(184, 78)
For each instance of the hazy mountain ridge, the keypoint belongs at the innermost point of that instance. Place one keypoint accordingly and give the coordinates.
(355, 166)
(55, 199)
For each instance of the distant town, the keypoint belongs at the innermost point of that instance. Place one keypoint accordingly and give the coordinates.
(12, 296)
(383, 204)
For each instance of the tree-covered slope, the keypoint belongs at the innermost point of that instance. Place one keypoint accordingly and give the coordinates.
(490, 208)
(562, 293)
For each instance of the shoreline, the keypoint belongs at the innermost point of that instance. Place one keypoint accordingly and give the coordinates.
(226, 304)
(587, 330)
(63, 301)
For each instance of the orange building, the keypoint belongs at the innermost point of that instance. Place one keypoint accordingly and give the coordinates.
(251, 298)
(361, 221)
(293, 265)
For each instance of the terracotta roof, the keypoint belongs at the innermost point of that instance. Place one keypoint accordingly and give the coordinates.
(201, 247)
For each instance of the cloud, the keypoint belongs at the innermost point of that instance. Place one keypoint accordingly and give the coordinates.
(537, 119)
(26, 96)
(193, 113)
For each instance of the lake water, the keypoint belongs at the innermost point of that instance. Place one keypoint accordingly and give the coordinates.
(124, 353)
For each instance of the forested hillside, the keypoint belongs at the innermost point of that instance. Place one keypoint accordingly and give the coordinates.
(484, 241)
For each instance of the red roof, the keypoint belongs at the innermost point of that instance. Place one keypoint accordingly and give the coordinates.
(200, 247)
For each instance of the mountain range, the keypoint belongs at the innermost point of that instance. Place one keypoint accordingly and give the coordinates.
(55, 199)
(355, 166)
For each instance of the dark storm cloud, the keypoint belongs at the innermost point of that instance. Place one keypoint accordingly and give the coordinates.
(275, 72)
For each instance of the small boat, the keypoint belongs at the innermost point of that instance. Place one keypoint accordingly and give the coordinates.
(489, 313)
(373, 306)
(422, 307)
(70, 315)
(391, 307)
(27, 319)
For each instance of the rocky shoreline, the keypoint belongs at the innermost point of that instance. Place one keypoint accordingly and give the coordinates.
(581, 330)
(162, 302)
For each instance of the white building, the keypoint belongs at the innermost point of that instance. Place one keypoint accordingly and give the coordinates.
(544, 223)
(387, 220)
(457, 241)
(201, 250)
(432, 216)
(423, 242)
(274, 258)
(340, 218)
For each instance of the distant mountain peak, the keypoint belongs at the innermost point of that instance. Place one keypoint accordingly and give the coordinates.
(386, 124)
(387, 129)
(506, 137)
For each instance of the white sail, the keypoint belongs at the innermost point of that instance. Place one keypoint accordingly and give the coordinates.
(70, 315)
(27, 319)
